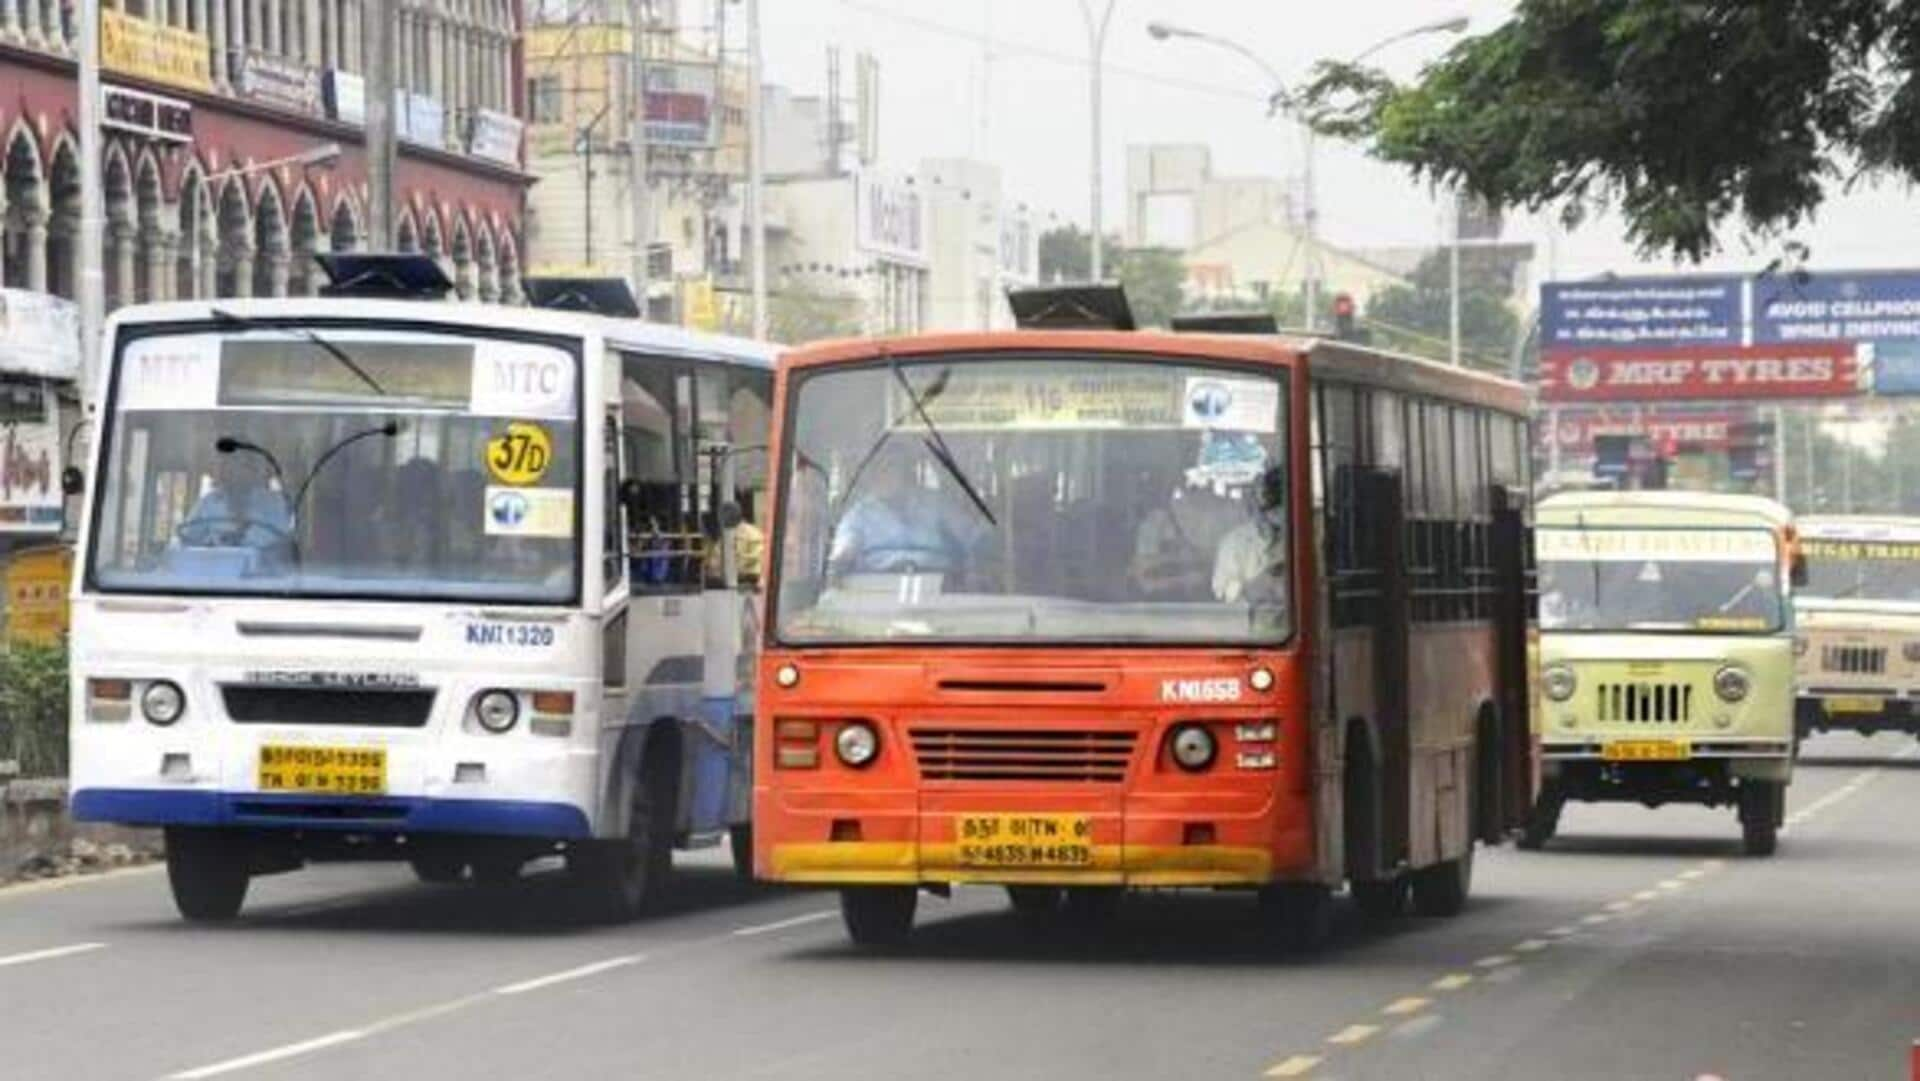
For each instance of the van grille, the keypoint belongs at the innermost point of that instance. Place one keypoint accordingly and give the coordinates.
(306, 705)
(1855, 660)
(1000, 754)
(1645, 703)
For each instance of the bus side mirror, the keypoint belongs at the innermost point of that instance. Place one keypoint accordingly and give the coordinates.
(1797, 571)
(72, 481)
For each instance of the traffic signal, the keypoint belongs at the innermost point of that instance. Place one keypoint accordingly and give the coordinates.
(1343, 321)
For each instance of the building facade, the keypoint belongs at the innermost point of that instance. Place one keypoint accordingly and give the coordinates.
(209, 106)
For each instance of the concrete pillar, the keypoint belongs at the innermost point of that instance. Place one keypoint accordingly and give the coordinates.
(238, 12)
(10, 19)
(120, 251)
(310, 33)
(271, 40)
(213, 23)
(36, 253)
(30, 28)
(243, 273)
(278, 271)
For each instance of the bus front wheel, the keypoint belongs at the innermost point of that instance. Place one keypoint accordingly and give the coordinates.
(879, 917)
(208, 872)
(1544, 820)
(1761, 805)
(620, 878)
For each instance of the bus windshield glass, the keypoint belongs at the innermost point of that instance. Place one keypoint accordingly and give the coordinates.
(342, 461)
(1702, 580)
(1034, 499)
(1868, 570)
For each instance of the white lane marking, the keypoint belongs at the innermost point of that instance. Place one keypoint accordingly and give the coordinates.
(1618, 906)
(1353, 1034)
(1532, 945)
(1595, 920)
(1453, 982)
(1297, 1066)
(581, 973)
(1671, 884)
(1645, 895)
(781, 925)
(1692, 873)
(1404, 1006)
(1563, 932)
(50, 954)
(261, 1058)
(1495, 961)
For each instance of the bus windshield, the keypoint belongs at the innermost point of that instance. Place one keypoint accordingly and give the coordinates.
(1035, 499)
(1702, 580)
(1878, 570)
(341, 460)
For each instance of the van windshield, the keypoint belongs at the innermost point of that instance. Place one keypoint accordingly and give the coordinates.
(1872, 570)
(371, 462)
(1035, 499)
(1719, 581)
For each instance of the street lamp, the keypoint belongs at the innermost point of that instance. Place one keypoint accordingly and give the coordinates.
(1096, 48)
(1282, 100)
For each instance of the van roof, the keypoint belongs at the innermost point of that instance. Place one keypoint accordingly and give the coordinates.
(1864, 527)
(1680, 508)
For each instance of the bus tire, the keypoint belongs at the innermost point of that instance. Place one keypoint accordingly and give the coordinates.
(621, 878)
(1299, 914)
(208, 873)
(740, 841)
(1544, 820)
(438, 868)
(1442, 889)
(1036, 902)
(1760, 816)
(879, 917)
(1381, 899)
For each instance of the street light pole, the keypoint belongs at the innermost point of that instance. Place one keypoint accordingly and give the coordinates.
(378, 32)
(638, 166)
(93, 213)
(1096, 48)
(756, 173)
(1453, 288)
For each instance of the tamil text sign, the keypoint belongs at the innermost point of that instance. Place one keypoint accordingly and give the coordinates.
(1707, 373)
(148, 50)
(1632, 313)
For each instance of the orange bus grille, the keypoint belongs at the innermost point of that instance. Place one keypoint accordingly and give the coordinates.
(999, 754)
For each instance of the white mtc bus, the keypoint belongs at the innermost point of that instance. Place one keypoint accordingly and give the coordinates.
(455, 584)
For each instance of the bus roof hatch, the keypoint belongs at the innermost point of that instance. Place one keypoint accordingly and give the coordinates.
(1227, 323)
(1071, 307)
(389, 276)
(598, 296)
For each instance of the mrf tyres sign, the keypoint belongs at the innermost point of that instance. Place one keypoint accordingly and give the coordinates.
(1701, 373)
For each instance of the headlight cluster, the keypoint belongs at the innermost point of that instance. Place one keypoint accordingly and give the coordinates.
(1732, 684)
(163, 702)
(1559, 682)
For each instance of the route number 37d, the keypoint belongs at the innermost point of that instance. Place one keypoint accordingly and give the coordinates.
(520, 455)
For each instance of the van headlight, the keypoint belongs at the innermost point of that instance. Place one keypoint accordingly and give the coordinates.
(1732, 684)
(1559, 682)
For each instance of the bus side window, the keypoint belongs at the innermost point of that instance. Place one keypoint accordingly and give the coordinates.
(656, 404)
(749, 417)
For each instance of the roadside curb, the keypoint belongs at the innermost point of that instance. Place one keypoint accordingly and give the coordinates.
(40, 840)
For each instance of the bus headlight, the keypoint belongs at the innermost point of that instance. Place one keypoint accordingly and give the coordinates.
(1732, 684)
(1260, 679)
(857, 744)
(1559, 682)
(496, 710)
(1193, 747)
(162, 702)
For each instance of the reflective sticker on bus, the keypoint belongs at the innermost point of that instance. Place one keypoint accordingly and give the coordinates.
(520, 455)
(1234, 405)
(529, 512)
(1200, 690)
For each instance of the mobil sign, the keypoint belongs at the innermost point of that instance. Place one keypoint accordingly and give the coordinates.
(1700, 373)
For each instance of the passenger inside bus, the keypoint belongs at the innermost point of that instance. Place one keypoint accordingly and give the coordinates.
(1251, 565)
(1176, 547)
(897, 525)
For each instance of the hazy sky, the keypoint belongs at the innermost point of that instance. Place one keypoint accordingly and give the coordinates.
(1026, 109)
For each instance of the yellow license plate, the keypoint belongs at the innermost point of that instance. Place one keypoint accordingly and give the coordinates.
(333, 771)
(1648, 750)
(1855, 704)
(1024, 840)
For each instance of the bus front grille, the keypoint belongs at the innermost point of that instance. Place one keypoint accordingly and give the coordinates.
(1094, 756)
(1645, 703)
(346, 708)
(1854, 660)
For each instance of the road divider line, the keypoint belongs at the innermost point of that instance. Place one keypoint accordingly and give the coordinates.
(1532, 945)
(1404, 1006)
(50, 954)
(1618, 906)
(1495, 961)
(1353, 1034)
(581, 973)
(1692, 873)
(1297, 1066)
(1646, 895)
(1596, 919)
(781, 925)
(262, 1058)
(1452, 982)
(1563, 931)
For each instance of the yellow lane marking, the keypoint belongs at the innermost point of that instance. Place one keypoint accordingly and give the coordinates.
(1353, 1034)
(1404, 1006)
(1672, 884)
(1452, 982)
(1714, 865)
(1595, 920)
(1562, 932)
(1692, 873)
(1645, 895)
(1617, 906)
(1297, 1066)
(1495, 961)
(1532, 945)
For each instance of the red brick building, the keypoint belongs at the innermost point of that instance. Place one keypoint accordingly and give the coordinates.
(200, 93)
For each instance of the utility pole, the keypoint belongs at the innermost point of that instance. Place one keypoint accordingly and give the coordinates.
(379, 31)
(756, 173)
(1312, 214)
(1096, 48)
(638, 171)
(93, 212)
(1453, 286)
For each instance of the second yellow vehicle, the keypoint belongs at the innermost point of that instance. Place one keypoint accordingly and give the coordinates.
(1666, 655)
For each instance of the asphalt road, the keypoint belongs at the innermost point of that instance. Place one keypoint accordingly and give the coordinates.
(1641, 944)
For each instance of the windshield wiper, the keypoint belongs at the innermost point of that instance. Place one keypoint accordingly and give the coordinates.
(937, 444)
(308, 335)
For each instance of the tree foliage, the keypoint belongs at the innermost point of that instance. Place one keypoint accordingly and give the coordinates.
(1683, 116)
(33, 708)
(1418, 318)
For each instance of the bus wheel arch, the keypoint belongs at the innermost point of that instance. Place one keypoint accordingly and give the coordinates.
(622, 877)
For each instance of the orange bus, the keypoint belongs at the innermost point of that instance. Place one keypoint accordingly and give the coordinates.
(1077, 611)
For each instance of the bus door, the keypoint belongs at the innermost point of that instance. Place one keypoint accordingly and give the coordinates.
(616, 681)
(1513, 620)
(1384, 510)
(720, 744)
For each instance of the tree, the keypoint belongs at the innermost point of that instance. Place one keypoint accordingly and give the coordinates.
(1683, 116)
(1154, 278)
(1417, 318)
